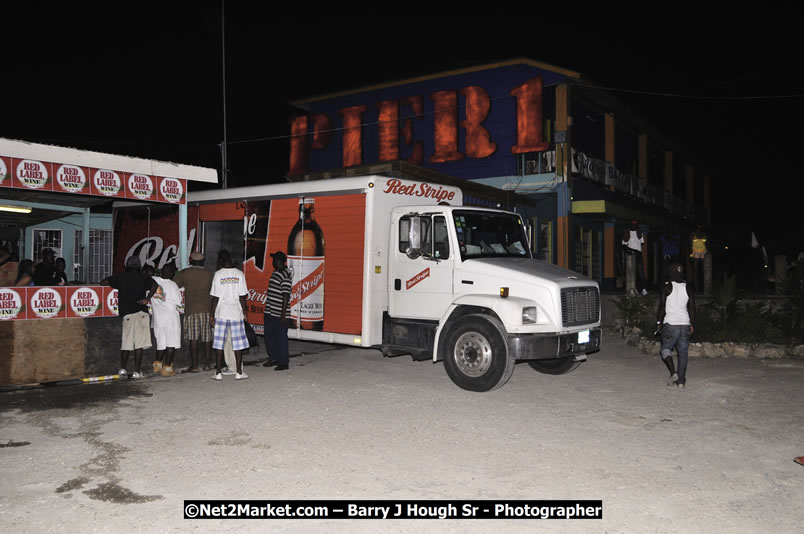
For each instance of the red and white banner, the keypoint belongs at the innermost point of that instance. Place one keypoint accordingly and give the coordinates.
(57, 302)
(46, 302)
(72, 179)
(12, 303)
(84, 302)
(65, 178)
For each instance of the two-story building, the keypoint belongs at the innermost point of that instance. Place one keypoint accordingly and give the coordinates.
(520, 135)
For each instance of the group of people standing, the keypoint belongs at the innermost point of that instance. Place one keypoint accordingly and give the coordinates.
(51, 271)
(670, 242)
(214, 314)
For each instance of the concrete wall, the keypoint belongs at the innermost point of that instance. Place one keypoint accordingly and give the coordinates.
(39, 351)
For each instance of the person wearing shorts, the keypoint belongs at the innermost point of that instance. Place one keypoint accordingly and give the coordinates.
(167, 325)
(197, 282)
(228, 312)
(134, 289)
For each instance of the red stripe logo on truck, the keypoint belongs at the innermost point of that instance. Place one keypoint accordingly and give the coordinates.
(418, 278)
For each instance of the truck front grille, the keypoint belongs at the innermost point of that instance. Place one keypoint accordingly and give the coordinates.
(580, 305)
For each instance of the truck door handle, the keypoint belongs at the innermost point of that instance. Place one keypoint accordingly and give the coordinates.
(468, 282)
(397, 284)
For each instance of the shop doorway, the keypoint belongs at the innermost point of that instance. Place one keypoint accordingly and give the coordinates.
(223, 235)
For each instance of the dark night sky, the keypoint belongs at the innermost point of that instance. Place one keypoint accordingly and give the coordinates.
(145, 80)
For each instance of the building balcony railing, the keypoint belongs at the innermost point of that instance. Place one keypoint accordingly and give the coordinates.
(607, 174)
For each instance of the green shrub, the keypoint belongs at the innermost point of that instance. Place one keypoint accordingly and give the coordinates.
(638, 310)
(794, 288)
(724, 300)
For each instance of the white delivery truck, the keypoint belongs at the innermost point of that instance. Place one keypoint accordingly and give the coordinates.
(404, 267)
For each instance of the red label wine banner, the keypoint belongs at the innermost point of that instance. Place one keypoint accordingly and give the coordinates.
(35, 175)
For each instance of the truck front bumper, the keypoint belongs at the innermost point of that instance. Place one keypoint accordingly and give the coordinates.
(551, 346)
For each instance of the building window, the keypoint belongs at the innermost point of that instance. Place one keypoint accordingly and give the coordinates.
(587, 252)
(100, 256)
(542, 239)
(43, 239)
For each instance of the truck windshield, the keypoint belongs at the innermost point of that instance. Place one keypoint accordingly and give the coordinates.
(483, 234)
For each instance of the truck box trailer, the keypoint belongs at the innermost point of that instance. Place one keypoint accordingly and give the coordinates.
(404, 267)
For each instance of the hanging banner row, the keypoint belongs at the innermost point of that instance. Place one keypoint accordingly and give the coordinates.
(48, 176)
(57, 302)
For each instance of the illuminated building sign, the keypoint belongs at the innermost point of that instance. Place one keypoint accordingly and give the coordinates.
(469, 125)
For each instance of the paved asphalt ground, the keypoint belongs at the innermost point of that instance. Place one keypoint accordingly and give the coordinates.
(348, 424)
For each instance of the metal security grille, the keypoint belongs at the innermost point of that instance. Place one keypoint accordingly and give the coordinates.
(46, 239)
(100, 256)
(580, 305)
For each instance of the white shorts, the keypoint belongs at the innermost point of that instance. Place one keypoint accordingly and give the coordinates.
(136, 331)
(167, 337)
(167, 331)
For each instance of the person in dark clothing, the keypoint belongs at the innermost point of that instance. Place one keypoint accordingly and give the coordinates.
(61, 276)
(45, 271)
(277, 313)
(24, 273)
(134, 290)
(674, 320)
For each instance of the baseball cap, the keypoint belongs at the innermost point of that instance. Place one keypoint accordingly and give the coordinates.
(133, 262)
(197, 256)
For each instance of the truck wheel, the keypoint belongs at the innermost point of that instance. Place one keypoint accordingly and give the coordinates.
(476, 355)
(558, 366)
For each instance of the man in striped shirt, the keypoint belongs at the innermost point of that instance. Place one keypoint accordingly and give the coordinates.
(276, 313)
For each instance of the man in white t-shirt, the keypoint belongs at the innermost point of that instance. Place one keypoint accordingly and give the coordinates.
(167, 325)
(228, 313)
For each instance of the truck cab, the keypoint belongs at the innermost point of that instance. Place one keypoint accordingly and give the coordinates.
(464, 288)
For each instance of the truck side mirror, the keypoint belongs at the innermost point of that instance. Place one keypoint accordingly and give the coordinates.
(529, 233)
(414, 238)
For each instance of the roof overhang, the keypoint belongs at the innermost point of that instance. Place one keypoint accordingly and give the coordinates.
(50, 205)
(606, 210)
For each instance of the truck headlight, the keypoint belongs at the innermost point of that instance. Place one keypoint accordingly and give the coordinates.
(529, 314)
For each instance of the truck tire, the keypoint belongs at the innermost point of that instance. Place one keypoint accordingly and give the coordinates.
(476, 354)
(559, 366)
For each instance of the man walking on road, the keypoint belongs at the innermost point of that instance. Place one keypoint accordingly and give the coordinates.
(674, 320)
(228, 312)
(197, 282)
(276, 314)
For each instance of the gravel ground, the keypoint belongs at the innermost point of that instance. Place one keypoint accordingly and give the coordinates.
(348, 424)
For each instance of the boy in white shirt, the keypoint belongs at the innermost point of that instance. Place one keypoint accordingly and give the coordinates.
(228, 313)
(167, 325)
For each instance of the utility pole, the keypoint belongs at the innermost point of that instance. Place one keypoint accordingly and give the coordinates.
(225, 162)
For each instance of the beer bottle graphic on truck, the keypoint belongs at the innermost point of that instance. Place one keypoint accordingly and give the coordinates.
(306, 261)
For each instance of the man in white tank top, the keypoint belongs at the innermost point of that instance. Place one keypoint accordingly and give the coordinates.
(675, 319)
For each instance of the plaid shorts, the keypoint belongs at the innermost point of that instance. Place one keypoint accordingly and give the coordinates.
(196, 327)
(238, 330)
